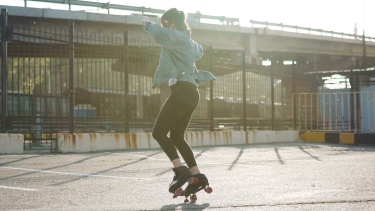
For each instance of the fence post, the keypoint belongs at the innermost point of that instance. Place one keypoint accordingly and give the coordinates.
(294, 96)
(211, 105)
(126, 81)
(212, 122)
(272, 96)
(244, 95)
(71, 77)
(4, 71)
(355, 104)
(358, 104)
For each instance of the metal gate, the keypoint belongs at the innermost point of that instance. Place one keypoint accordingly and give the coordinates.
(335, 111)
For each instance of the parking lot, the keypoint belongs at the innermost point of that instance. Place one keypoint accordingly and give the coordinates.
(296, 176)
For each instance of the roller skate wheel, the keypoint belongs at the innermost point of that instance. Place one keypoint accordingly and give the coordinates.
(193, 181)
(193, 198)
(208, 190)
(179, 192)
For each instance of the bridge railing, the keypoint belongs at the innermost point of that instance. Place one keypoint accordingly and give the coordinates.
(142, 10)
(198, 17)
(308, 30)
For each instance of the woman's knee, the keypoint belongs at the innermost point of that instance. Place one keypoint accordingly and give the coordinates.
(176, 135)
(158, 134)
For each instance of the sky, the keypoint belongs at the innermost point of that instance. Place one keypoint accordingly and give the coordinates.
(330, 15)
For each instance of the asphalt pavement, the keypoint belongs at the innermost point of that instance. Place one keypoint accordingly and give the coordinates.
(294, 176)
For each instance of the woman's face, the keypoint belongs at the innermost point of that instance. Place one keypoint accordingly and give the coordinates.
(168, 24)
(165, 23)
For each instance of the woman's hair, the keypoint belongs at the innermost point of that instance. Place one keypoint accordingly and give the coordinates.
(177, 16)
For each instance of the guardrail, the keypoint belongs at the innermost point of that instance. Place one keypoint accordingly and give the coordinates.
(309, 30)
(142, 10)
(198, 17)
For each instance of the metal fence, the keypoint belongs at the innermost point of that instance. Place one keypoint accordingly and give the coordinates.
(63, 77)
(339, 110)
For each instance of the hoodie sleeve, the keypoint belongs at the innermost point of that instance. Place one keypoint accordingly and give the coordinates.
(162, 36)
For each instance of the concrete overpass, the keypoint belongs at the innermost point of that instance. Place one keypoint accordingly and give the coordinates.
(314, 53)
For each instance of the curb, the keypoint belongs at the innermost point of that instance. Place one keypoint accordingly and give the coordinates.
(338, 138)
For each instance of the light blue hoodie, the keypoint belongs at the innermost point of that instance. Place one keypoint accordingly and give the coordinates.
(178, 55)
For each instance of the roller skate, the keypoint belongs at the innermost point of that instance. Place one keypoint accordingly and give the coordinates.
(196, 183)
(181, 176)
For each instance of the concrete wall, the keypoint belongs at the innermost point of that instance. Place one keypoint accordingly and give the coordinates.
(90, 142)
(11, 143)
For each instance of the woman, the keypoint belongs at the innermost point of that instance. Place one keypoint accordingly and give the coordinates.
(177, 67)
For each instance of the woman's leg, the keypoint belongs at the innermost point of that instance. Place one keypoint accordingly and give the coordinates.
(166, 120)
(177, 137)
(178, 132)
(175, 114)
(174, 117)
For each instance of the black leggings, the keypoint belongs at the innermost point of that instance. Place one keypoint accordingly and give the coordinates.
(174, 118)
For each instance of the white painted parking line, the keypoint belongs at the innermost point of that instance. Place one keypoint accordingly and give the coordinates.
(17, 188)
(74, 174)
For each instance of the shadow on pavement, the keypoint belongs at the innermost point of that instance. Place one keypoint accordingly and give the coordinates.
(21, 159)
(305, 151)
(281, 161)
(107, 170)
(185, 206)
(48, 169)
(236, 160)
